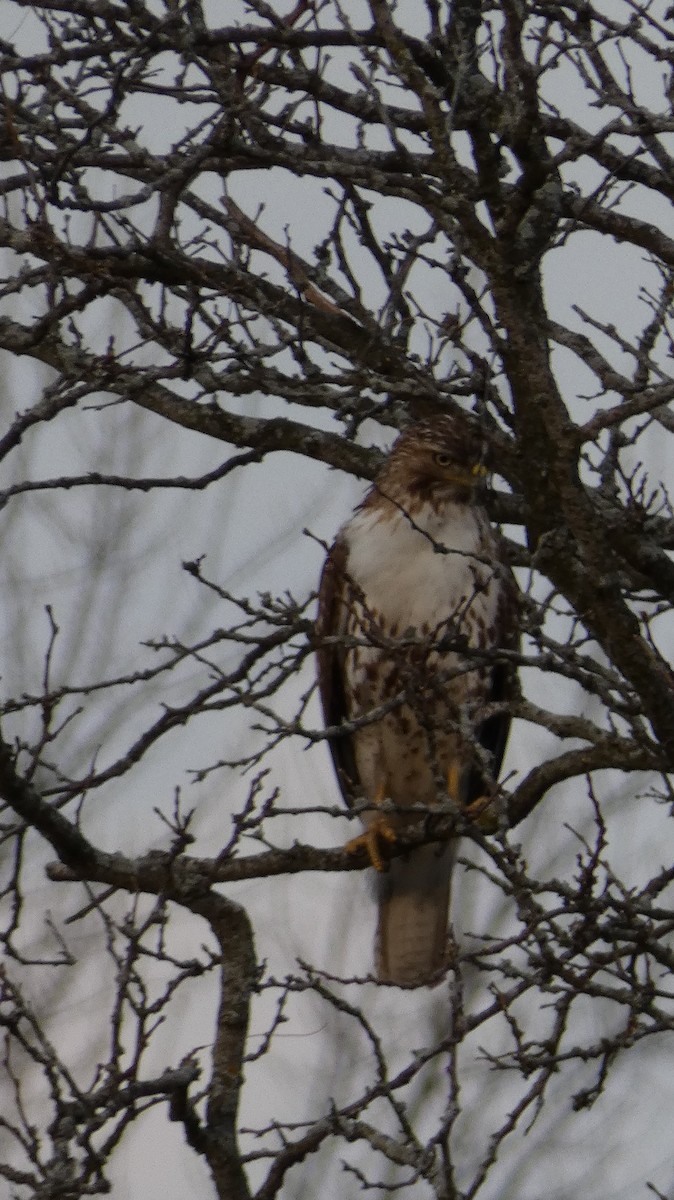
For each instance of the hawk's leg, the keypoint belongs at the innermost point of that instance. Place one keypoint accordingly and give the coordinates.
(379, 830)
(454, 780)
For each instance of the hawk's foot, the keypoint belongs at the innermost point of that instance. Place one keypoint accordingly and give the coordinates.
(379, 830)
(481, 811)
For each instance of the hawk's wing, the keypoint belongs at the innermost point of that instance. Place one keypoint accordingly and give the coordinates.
(492, 734)
(332, 622)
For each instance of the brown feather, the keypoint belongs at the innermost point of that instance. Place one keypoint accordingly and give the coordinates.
(331, 623)
(413, 906)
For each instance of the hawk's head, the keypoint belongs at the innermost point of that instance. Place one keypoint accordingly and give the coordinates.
(437, 461)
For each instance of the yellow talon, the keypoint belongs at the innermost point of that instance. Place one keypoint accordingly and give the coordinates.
(481, 811)
(379, 829)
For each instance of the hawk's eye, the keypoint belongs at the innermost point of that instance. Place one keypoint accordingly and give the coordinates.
(443, 460)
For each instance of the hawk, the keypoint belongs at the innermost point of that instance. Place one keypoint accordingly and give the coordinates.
(414, 604)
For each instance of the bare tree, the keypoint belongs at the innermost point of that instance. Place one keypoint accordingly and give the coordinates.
(292, 234)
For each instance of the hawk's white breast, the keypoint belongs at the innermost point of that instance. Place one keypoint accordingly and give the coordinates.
(421, 571)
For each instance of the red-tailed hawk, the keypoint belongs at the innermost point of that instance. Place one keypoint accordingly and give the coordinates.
(413, 583)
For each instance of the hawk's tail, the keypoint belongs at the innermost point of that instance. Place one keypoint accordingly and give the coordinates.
(413, 900)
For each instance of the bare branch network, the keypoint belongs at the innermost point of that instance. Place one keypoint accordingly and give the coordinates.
(294, 234)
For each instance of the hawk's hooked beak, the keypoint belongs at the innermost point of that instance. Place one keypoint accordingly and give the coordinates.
(468, 478)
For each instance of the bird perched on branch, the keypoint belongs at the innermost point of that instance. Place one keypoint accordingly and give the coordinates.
(414, 604)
